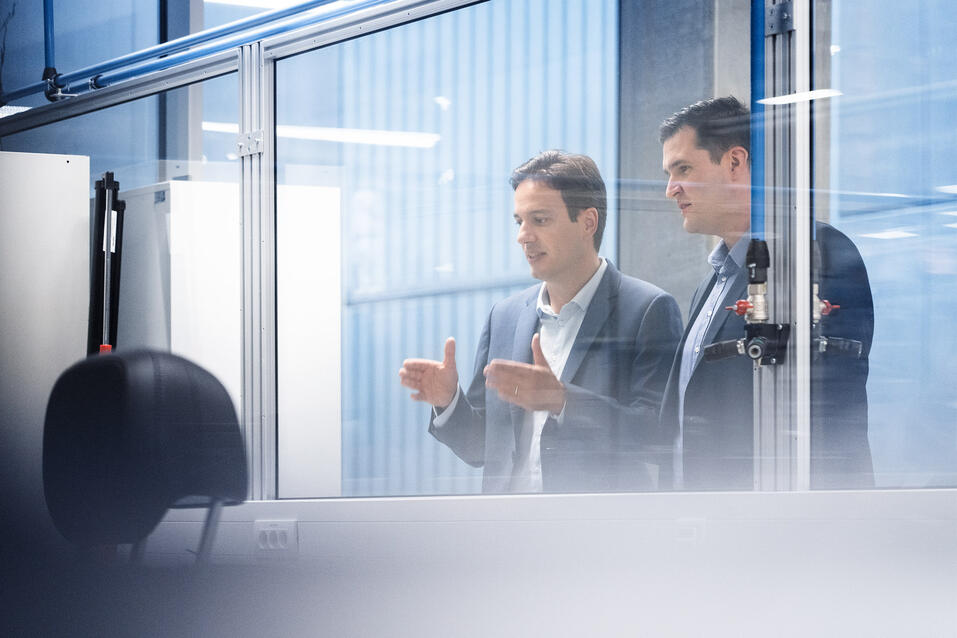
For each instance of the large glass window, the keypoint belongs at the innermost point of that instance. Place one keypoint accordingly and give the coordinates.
(395, 231)
(395, 226)
(885, 176)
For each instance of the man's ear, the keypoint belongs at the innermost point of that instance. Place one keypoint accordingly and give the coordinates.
(738, 161)
(589, 219)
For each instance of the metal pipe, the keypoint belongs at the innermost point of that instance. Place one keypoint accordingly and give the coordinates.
(48, 57)
(185, 42)
(757, 119)
(26, 91)
(107, 79)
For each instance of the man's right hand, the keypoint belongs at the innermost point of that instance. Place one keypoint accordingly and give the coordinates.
(434, 382)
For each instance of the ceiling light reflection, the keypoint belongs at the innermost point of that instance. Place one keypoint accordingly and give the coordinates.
(890, 234)
(410, 139)
(803, 96)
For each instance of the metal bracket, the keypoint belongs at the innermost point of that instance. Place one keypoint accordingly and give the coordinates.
(250, 143)
(779, 18)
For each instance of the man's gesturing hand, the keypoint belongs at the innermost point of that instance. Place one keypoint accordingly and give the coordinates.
(435, 382)
(533, 387)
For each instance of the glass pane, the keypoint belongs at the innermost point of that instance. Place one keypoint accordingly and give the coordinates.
(395, 230)
(174, 156)
(885, 176)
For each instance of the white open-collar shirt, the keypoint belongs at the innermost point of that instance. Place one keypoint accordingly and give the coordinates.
(557, 334)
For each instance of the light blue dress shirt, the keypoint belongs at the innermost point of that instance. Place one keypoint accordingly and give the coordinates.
(729, 268)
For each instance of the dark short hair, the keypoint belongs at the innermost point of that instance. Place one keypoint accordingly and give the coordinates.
(720, 123)
(576, 177)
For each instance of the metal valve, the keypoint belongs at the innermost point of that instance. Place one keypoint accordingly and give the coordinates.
(827, 307)
(740, 307)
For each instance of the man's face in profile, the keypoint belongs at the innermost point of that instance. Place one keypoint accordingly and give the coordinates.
(708, 194)
(553, 244)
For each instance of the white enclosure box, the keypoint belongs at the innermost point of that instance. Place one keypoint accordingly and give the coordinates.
(180, 283)
(181, 290)
(44, 302)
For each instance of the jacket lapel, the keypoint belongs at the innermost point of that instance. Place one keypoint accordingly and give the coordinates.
(598, 311)
(525, 328)
(738, 291)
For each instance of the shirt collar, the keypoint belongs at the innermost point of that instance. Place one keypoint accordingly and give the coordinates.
(582, 299)
(729, 261)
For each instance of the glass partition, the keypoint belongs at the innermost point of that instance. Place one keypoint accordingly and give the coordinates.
(884, 176)
(174, 156)
(396, 229)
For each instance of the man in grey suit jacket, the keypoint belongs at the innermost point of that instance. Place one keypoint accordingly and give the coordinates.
(708, 405)
(569, 374)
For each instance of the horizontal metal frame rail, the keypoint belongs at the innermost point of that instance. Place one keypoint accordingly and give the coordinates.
(181, 44)
(329, 31)
(357, 24)
(205, 69)
(64, 80)
(243, 39)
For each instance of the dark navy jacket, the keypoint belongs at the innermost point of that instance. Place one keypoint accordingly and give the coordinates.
(718, 437)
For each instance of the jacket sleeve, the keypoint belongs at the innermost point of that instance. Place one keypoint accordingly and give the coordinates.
(464, 432)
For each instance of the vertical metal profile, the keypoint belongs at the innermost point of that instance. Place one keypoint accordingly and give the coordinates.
(267, 291)
(258, 309)
(803, 220)
(775, 397)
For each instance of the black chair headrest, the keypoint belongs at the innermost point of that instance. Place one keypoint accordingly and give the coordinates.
(129, 434)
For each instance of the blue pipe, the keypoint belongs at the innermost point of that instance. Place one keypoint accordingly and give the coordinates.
(107, 79)
(179, 44)
(757, 119)
(26, 91)
(48, 58)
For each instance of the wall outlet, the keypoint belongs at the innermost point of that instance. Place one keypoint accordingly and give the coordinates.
(277, 539)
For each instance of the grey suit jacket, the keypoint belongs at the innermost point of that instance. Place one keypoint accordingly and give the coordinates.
(610, 438)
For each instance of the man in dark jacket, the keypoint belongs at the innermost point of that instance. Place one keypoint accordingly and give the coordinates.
(708, 404)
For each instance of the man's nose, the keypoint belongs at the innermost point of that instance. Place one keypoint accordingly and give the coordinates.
(524, 234)
(672, 189)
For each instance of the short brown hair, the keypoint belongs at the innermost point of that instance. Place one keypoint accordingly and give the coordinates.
(720, 123)
(575, 176)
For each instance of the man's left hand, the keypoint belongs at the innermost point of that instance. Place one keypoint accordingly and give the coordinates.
(533, 387)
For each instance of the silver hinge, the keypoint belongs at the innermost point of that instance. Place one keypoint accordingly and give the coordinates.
(779, 18)
(250, 143)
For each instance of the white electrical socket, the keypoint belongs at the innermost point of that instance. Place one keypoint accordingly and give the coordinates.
(278, 539)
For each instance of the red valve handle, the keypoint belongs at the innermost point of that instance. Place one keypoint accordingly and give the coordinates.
(827, 307)
(740, 307)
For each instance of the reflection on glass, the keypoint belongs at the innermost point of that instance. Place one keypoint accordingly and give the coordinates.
(885, 175)
(395, 213)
